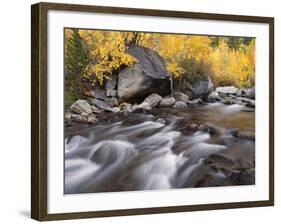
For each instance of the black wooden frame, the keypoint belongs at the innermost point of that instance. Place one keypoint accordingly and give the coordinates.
(39, 110)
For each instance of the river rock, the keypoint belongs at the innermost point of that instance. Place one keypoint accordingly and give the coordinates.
(251, 103)
(79, 118)
(161, 120)
(238, 156)
(228, 101)
(181, 97)
(249, 135)
(126, 107)
(92, 119)
(153, 100)
(213, 97)
(81, 106)
(112, 102)
(242, 92)
(210, 128)
(167, 102)
(227, 90)
(195, 101)
(96, 110)
(202, 87)
(116, 110)
(236, 162)
(143, 107)
(67, 116)
(149, 75)
(98, 94)
(180, 104)
(103, 105)
(251, 93)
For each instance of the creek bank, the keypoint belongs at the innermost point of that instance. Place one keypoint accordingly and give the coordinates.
(98, 103)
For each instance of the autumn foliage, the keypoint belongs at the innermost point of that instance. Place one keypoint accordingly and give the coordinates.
(94, 55)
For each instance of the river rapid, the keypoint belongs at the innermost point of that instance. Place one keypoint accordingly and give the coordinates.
(166, 148)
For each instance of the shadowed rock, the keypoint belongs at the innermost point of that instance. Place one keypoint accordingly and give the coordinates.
(201, 88)
(147, 76)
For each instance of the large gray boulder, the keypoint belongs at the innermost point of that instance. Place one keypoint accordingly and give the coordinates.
(81, 106)
(149, 75)
(201, 88)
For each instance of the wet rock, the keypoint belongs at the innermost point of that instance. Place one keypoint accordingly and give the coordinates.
(227, 90)
(178, 96)
(213, 97)
(251, 103)
(98, 94)
(228, 101)
(190, 128)
(180, 104)
(221, 162)
(81, 106)
(92, 119)
(116, 110)
(126, 107)
(210, 128)
(167, 102)
(249, 135)
(193, 126)
(248, 110)
(237, 163)
(242, 92)
(195, 101)
(149, 75)
(112, 102)
(153, 100)
(161, 120)
(102, 105)
(244, 177)
(143, 107)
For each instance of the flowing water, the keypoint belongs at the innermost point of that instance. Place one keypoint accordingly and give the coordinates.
(144, 152)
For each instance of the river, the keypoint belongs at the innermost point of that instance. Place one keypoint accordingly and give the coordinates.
(163, 149)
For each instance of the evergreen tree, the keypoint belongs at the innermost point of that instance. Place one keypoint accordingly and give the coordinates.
(75, 61)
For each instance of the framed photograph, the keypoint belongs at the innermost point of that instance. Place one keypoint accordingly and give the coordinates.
(139, 111)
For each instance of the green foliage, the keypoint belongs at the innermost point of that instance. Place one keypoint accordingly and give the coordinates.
(75, 61)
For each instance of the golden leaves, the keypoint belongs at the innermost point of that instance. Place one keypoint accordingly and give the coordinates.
(107, 52)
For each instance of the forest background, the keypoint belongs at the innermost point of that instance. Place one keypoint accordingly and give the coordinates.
(93, 56)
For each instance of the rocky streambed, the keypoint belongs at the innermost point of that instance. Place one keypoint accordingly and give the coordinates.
(162, 143)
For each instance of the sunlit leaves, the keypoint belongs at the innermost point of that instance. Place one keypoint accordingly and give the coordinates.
(106, 52)
(99, 53)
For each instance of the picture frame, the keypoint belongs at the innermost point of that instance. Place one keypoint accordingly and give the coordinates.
(40, 101)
